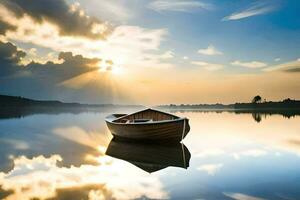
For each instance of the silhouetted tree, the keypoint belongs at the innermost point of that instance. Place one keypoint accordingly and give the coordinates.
(256, 99)
(287, 100)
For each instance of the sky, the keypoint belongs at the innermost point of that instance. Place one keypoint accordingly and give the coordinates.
(150, 51)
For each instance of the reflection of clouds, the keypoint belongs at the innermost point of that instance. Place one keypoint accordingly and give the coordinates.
(40, 177)
(211, 169)
(210, 152)
(80, 136)
(251, 153)
(240, 196)
(232, 133)
(17, 144)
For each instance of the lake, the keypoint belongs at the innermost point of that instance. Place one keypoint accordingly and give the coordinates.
(232, 156)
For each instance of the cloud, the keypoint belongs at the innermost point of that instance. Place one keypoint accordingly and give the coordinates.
(289, 67)
(112, 10)
(277, 59)
(208, 66)
(5, 27)
(252, 64)
(294, 70)
(167, 55)
(211, 169)
(34, 55)
(10, 56)
(210, 51)
(178, 5)
(71, 66)
(52, 80)
(43, 178)
(70, 20)
(185, 57)
(257, 8)
(130, 46)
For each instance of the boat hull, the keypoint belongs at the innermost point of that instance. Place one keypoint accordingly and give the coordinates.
(174, 130)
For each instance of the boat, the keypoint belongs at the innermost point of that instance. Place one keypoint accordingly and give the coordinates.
(150, 157)
(148, 125)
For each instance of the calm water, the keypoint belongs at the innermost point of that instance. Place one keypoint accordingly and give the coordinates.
(232, 157)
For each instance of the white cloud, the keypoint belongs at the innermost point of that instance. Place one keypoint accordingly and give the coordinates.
(167, 55)
(252, 64)
(257, 8)
(185, 57)
(128, 46)
(211, 169)
(178, 5)
(284, 66)
(210, 51)
(208, 66)
(112, 10)
(277, 59)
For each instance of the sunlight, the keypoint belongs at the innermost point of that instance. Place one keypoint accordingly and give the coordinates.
(106, 66)
(117, 70)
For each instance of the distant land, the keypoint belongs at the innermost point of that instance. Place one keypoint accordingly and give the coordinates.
(17, 101)
(286, 108)
(286, 104)
(15, 107)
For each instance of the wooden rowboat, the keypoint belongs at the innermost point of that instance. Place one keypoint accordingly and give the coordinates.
(148, 125)
(150, 157)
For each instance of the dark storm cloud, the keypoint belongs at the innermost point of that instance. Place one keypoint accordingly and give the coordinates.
(10, 56)
(43, 81)
(57, 12)
(72, 66)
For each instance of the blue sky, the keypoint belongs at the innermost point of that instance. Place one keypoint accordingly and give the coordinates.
(273, 33)
(210, 45)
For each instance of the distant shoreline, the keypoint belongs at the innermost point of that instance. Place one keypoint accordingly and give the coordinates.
(8, 102)
(18, 107)
(286, 104)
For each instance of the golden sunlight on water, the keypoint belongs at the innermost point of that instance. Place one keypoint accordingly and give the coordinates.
(226, 148)
(221, 131)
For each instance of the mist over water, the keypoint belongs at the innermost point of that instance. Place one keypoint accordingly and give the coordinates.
(232, 156)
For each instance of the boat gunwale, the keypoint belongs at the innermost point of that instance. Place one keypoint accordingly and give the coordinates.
(145, 123)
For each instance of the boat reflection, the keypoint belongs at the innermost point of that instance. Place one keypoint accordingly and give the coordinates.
(150, 157)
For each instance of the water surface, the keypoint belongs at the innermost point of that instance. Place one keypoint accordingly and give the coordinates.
(233, 156)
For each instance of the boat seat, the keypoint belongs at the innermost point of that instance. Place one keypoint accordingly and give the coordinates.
(125, 121)
(141, 120)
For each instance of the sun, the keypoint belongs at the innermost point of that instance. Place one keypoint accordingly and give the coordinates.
(111, 68)
(117, 70)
